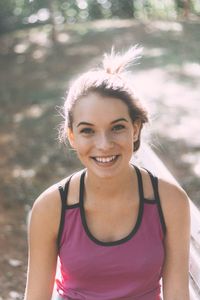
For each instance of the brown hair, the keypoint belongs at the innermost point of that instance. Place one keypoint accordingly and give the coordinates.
(109, 81)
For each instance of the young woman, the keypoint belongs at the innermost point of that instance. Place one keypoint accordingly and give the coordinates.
(115, 228)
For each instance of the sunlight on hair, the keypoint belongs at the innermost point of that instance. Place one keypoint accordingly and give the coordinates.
(115, 63)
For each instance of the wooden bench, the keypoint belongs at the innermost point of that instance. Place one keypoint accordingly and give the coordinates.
(148, 159)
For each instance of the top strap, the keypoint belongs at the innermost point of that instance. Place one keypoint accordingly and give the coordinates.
(63, 196)
(140, 184)
(154, 181)
(81, 189)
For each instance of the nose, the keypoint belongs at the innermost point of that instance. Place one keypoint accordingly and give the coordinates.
(104, 142)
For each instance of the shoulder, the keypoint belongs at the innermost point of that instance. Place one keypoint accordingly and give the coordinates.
(49, 202)
(49, 199)
(172, 194)
(45, 213)
(174, 202)
(46, 210)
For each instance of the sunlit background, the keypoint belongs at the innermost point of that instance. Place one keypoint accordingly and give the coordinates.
(45, 44)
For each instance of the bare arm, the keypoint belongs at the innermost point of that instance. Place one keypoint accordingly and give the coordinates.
(175, 205)
(43, 229)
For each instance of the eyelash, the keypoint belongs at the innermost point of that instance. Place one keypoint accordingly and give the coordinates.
(88, 131)
(118, 127)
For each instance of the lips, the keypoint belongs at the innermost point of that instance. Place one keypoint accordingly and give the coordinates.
(105, 159)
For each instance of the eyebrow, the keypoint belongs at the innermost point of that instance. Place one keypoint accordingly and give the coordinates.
(84, 123)
(113, 122)
(119, 120)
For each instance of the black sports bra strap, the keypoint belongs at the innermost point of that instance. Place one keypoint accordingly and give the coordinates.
(81, 190)
(140, 183)
(64, 192)
(63, 196)
(154, 181)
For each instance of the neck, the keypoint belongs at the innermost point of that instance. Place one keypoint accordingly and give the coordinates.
(112, 187)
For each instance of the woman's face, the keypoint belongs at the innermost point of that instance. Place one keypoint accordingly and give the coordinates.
(103, 134)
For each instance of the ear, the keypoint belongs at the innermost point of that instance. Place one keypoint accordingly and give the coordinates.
(70, 136)
(136, 129)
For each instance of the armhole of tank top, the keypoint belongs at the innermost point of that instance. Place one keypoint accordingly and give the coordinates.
(63, 196)
(154, 181)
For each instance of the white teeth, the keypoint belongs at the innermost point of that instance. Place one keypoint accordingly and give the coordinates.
(105, 159)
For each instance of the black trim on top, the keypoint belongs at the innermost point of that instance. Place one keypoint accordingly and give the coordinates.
(154, 181)
(70, 206)
(149, 201)
(138, 221)
(140, 183)
(63, 196)
(162, 219)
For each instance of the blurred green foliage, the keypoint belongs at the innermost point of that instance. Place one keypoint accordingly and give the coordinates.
(15, 14)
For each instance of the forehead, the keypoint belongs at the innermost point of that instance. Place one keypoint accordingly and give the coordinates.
(95, 107)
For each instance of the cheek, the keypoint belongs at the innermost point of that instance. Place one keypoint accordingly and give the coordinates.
(127, 142)
(125, 139)
(82, 146)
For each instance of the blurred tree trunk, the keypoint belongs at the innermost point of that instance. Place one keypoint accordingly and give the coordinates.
(123, 9)
(183, 7)
(94, 10)
(51, 7)
(187, 4)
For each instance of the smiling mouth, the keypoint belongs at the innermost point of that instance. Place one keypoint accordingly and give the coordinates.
(105, 159)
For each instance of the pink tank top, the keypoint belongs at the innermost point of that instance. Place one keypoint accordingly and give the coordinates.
(129, 268)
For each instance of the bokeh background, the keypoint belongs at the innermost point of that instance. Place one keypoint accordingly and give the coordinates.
(45, 44)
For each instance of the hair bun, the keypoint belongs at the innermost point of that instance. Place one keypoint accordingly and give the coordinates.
(116, 63)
